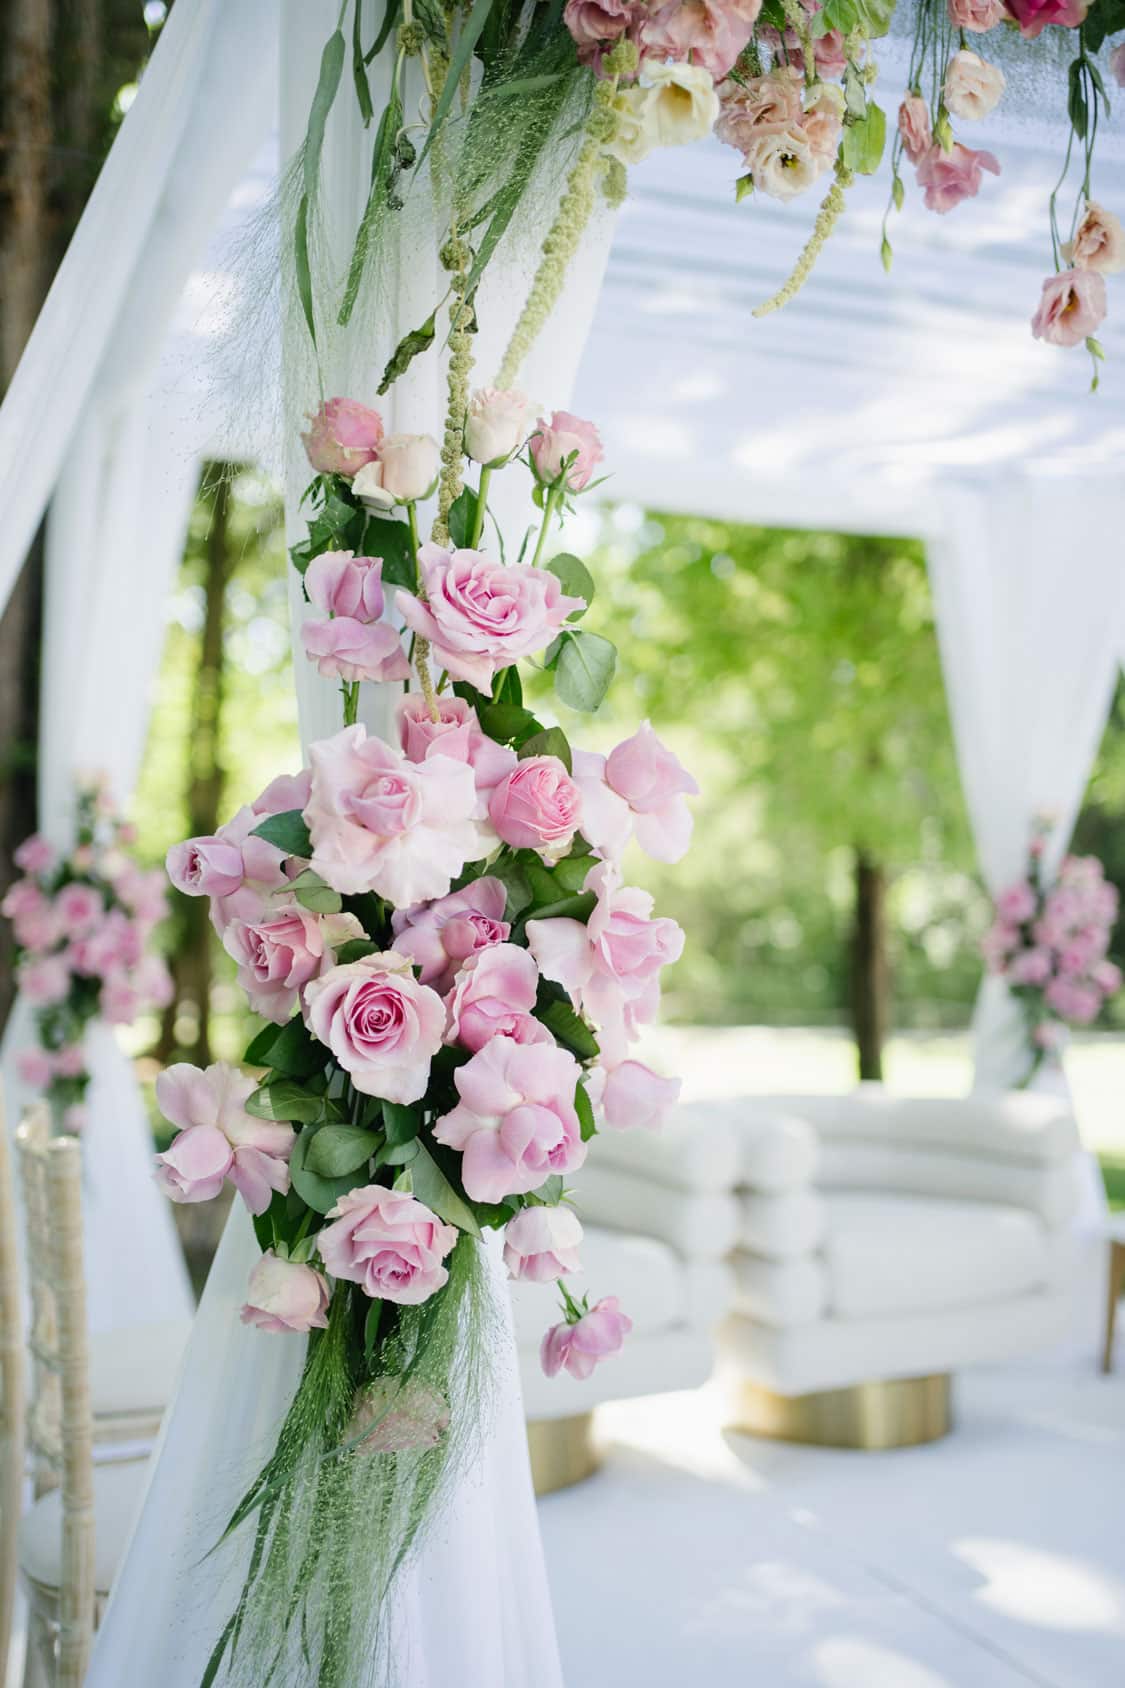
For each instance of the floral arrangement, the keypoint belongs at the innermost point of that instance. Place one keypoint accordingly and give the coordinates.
(1048, 942)
(435, 929)
(584, 95)
(83, 926)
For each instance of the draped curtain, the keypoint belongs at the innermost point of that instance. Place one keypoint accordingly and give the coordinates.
(1026, 579)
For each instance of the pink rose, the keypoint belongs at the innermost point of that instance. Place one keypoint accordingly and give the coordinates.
(35, 1068)
(1033, 16)
(344, 649)
(594, 24)
(285, 1296)
(1099, 242)
(1016, 904)
(340, 583)
(112, 948)
(914, 127)
(75, 1118)
(410, 464)
(35, 923)
(439, 936)
(541, 1244)
(79, 909)
(35, 855)
(344, 435)
(287, 791)
(70, 1061)
(566, 443)
(639, 787)
(998, 944)
(218, 1139)
(611, 965)
(973, 87)
(496, 426)
(120, 1001)
(515, 1123)
(709, 33)
(977, 16)
(1074, 1001)
(493, 996)
(154, 982)
(763, 105)
(1030, 967)
(45, 981)
(279, 955)
(1117, 64)
(456, 733)
(949, 177)
(383, 1027)
(581, 1345)
(537, 807)
(380, 823)
(205, 867)
(388, 1243)
(630, 1096)
(481, 615)
(1071, 308)
(1050, 1035)
(1107, 976)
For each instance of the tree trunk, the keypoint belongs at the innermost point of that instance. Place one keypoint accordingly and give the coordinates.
(870, 972)
(192, 968)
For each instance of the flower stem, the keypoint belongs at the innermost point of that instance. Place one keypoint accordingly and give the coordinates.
(350, 692)
(553, 495)
(412, 523)
(482, 505)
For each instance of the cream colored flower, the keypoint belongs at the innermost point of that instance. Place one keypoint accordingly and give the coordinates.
(1099, 242)
(681, 101)
(823, 122)
(972, 86)
(783, 165)
(635, 136)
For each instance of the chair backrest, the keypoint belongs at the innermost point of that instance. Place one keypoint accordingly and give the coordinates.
(60, 1424)
(11, 1392)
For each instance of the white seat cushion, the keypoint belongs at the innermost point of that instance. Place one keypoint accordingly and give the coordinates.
(117, 1497)
(697, 1225)
(782, 1226)
(780, 1292)
(645, 1275)
(898, 1254)
(1053, 1190)
(1027, 1127)
(134, 1370)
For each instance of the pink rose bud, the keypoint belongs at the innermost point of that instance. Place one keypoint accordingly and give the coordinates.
(283, 1295)
(410, 465)
(537, 807)
(567, 443)
(340, 583)
(343, 436)
(497, 425)
(349, 650)
(437, 937)
(35, 1068)
(481, 615)
(205, 867)
(218, 1139)
(75, 1119)
(45, 981)
(35, 855)
(541, 1244)
(1033, 16)
(976, 16)
(388, 1243)
(515, 1123)
(578, 1347)
(641, 787)
(947, 178)
(383, 1027)
(1071, 308)
(493, 996)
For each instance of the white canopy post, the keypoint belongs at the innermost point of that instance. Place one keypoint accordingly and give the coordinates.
(1030, 613)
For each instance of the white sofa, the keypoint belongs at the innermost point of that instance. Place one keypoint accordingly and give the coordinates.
(883, 1237)
(660, 1219)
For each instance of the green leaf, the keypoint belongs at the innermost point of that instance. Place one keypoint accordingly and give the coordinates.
(507, 687)
(584, 670)
(318, 1192)
(359, 68)
(284, 1101)
(461, 513)
(575, 579)
(312, 893)
(340, 1149)
(1076, 100)
(411, 345)
(550, 1192)
(864, 141)
(397, 1154)
(566, 1028)
(584, 1108)
(371, 1330)
(391, 541)
(289, 1049)
(382, 169)
(301, 264)
(855, 93)
(570, 874)
(513, 876)
(356, 949)
(433, 1190)
(551, 742)
(743, 188)
(257, 1050)
(287, 832)
(507, 722)
(458, 64)
(328, 82)
(401, 1122)
(566, 908)
(1105, 17)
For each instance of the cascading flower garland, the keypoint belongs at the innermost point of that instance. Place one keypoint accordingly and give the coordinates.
(83, 926)
(451, 970)
(1049, 941)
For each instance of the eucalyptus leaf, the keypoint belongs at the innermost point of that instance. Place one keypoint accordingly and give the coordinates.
(339, 1149)
(401, 1122)
(575, 579)
(579, 907)
(318, 1192)
(356, 949)
(397, 1154)
(287, 832)
(312, 893)
(864, 141)
(551, 742)
(433, 1190)
(290, 1049)
(507, 722)
(284, 1101)
(550, 1192)
(585, 670)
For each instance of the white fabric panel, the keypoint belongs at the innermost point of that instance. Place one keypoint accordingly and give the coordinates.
(1052, 1193)
(698, 1227)
(133, 1369)
(782, 1226)
(643, 1273)
(899, 1254)
(833, 1353)
(1027, 588)
(696, 1149)
(779, 1292)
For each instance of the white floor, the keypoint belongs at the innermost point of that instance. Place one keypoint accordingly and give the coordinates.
(992, 1559)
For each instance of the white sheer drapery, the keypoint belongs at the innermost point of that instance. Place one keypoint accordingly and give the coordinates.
(1030, 612)
(475, 1608)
